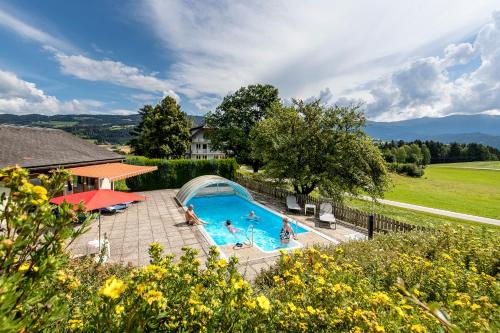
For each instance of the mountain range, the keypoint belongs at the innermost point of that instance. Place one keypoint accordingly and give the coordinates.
(114, 129)
(483, 129)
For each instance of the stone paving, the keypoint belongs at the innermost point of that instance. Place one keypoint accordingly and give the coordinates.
(160, 219)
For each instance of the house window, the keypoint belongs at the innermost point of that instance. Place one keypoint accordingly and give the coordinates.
(198, 146)
(204, 146)
(205, 157)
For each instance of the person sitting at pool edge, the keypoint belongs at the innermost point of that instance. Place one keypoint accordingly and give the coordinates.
(230, 228)
(191, 217)
(285, 232)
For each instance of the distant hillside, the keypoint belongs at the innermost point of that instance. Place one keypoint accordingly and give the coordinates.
(104, 129)
(483, 129)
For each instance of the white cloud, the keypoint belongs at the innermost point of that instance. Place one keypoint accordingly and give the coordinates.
(426, 87)
(302, 46)
(22, 97)
(112, 71)
(30, 32)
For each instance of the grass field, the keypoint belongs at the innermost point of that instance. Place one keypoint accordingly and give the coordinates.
(412, 216)
(457, 187)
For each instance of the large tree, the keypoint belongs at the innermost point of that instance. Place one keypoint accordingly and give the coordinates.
(163, 131)
(314, 146)
(234, 118)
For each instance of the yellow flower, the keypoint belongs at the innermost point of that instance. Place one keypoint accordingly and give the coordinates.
(251, 304)
(321, 280)
(446, 256)
(310, 309)
(75, 324)
(380, 298)
(458, 303)
(239, 284)
(26, 266)
(119, 309)
(154, 296)
(41, 192)
(418, 328)
(199, 288)
(222, 263)
(75, 283)
(291, 306)
(263, 303)
(113, 288)
(379, 328)
(475, 306)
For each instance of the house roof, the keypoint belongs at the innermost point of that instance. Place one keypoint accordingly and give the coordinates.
(113, 171)
(44, 148)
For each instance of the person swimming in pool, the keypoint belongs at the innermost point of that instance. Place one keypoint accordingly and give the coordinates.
(230, 228)
(285, 232)
(252, 216)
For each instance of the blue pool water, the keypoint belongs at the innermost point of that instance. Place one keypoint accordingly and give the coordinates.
(217, 209)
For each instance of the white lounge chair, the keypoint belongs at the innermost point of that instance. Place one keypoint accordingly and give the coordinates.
(291, 203)
(326, 214)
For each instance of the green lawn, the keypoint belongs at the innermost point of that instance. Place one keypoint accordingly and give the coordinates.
(412, 216)
(479, 165)
(455, 187)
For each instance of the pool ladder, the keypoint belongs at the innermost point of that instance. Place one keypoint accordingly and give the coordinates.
(250, 239)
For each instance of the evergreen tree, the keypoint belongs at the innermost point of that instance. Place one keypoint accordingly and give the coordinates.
(163, 131)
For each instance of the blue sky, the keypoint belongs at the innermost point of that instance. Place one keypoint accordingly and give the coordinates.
(402, 59)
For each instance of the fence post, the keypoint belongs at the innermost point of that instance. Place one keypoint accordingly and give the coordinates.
(370, 226)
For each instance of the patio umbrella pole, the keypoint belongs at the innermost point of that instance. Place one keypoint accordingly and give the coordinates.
(99, 231)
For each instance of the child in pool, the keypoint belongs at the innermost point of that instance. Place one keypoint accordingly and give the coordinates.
(230, 228)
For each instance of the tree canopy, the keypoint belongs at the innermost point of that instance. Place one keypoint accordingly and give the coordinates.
(234, 118)
(163, 131)
(314, 146)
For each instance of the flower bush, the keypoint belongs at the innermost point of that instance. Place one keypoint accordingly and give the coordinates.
(412, 282)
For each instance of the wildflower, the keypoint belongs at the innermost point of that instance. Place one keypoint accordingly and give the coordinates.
(475, 306)
(26, 266)
(418, 328)
(251, 304)
(446, 256)
(113, 288)
(380, 298)
(379, 328)
(154, 296)
(239, 284)
(292, 306)
(199, 288)
(311, 310)
(303, 326)
(458, 303)
(263, 303)
(41, 192)
(119, 309)
(75, 324)
(222, 263)
(75, 283)
(7, 243)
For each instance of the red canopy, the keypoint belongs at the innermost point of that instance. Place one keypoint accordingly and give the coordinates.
(97, 199)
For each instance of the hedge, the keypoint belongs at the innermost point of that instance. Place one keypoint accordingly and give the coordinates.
(175, 173)
(408, 169)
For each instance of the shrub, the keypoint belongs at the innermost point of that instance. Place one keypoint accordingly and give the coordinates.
(408, 169)
(450, 282)
(33, 236)
(175, 173)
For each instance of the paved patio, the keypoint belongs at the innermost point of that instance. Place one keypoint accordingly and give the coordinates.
(160, 219)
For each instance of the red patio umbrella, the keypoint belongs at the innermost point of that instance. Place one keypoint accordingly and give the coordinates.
(97, 199)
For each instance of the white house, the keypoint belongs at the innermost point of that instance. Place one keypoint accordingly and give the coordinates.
(200, 148)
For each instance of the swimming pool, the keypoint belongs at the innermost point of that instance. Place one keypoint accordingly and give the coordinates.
(218, 208)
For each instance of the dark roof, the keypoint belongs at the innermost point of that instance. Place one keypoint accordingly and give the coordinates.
(39, 148)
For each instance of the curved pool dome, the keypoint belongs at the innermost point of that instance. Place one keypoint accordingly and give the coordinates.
(210, 185)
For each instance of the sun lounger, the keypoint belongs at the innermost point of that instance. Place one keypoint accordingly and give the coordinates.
(114, 209)
(291, 203)
(326, 214)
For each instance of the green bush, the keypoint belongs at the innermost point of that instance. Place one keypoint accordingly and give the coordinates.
(413, 282)
(408, 169)
(175, 173)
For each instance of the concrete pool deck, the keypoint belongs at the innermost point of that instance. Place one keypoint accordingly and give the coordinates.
(160, 219)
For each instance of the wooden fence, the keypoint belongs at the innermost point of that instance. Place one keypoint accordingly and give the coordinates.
(355, 217)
